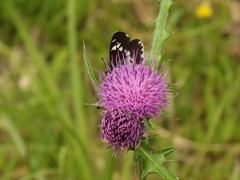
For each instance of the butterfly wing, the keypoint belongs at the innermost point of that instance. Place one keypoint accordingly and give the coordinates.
(121, 48)
(119, 41)
(134, 51)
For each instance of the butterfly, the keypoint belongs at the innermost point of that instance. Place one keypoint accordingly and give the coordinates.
(122, 49)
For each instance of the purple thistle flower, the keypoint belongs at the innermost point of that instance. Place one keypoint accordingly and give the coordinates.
(137, 88)
(121, 129)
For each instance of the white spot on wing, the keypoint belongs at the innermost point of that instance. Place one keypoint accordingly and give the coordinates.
(114, 40)
(142, 49)
(119, 44)
(114, 48)
(121, 48)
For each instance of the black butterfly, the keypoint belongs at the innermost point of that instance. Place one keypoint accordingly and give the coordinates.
(122, 49)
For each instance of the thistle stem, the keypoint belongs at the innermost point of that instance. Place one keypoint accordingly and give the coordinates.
(160, 34)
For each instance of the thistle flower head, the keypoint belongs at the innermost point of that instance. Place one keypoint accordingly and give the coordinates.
(137, 88)
(121, 129)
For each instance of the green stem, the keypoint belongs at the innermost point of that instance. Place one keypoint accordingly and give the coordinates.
(77, 85)
(162, 171)
(160, 34)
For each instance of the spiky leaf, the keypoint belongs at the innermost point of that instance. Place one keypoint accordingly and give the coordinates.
(153, 162)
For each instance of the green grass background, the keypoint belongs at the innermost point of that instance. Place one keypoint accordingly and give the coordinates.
(47, 130)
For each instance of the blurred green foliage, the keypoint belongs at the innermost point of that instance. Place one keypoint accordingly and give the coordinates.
(48, 132)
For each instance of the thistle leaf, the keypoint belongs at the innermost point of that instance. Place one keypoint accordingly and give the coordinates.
(153, 162)
(88, 67)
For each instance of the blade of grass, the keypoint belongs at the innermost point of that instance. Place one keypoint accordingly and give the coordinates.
(223, 103)
(109, 165)
(57, 110)
(58, 63)
(16, 137)
(30, 46)
(77, 86)
(78, 92)
(126, 167)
